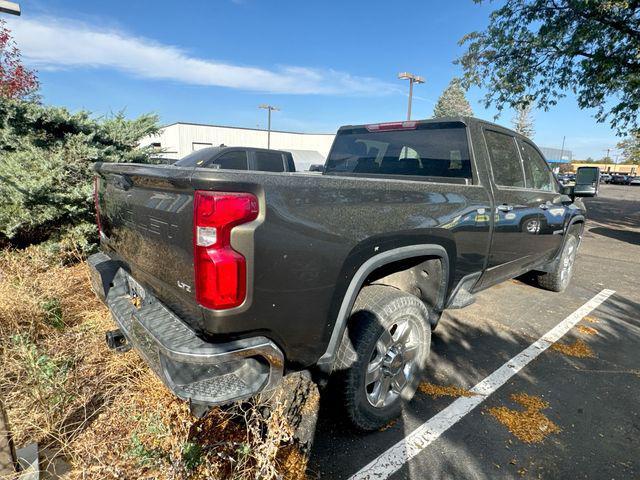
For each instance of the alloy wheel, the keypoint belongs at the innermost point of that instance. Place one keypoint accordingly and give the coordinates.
(393, 364)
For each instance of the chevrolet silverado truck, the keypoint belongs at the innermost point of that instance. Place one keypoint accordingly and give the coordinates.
(226, 280)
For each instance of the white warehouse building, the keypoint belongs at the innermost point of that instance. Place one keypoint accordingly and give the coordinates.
(180, 139)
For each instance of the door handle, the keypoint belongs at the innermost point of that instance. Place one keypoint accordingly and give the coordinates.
(504, 207)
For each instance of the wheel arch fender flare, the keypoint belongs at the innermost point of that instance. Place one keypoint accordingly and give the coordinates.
(552, 263)
(326, 361)
(574, 220)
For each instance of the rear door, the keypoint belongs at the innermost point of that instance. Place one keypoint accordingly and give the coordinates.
(514, 242)
(268, 161)
(539, 178)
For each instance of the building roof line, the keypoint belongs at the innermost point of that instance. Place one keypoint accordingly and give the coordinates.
(242, 128)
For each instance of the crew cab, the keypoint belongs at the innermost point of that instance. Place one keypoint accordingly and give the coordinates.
(239, 158)
(225, 280)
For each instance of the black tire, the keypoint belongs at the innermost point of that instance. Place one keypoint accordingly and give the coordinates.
(558, 279)
(381, 314)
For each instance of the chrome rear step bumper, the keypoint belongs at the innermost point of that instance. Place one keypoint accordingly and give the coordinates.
(204, 373)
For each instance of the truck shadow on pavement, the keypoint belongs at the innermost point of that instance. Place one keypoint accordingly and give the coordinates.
(464, 350)
(629, 236)
(621, 213)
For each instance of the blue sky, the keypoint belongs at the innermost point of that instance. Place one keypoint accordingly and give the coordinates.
(323, 63)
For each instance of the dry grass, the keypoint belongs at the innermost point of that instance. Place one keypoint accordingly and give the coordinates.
(107, 414)
(436, 391)
(529, 425)
(577, 349)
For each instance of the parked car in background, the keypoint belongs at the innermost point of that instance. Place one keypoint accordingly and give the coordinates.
(620, 179)
(566, 178)
(605, 178)
(635, 181)
(239, 158)
(225, 280)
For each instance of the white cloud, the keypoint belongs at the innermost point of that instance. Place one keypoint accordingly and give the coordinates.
(62, 44)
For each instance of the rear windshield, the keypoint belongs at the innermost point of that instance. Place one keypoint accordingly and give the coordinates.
(431, 150)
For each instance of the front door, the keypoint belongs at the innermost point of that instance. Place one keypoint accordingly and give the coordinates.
(517, 214)
(539, 178)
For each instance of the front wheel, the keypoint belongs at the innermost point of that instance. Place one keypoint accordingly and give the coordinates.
(382, 355)
(558, 279)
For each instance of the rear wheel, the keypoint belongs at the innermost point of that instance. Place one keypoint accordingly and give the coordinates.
(382, 355)
(558, 279)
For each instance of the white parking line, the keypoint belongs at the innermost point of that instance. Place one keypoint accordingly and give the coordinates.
(393, 459)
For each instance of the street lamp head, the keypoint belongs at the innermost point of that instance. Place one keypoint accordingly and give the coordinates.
(9, 7)
(410, 76)
(269, 107)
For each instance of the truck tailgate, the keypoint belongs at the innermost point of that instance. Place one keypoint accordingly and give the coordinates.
(145, 216)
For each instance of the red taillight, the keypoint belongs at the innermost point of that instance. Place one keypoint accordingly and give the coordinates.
(385, 127)
(96, 203)
(220, 271)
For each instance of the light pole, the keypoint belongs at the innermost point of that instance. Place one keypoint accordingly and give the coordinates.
(9, 7)
(412, 79)
(269, 108)
(564, 137)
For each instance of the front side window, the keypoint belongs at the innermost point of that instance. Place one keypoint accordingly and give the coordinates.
(429, 150)
(234, 160)
(505, 161)
(269, 162)
(536, 171)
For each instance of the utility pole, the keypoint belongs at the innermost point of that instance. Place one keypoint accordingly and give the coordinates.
(269, 108)
(412, 79)
(9, 7)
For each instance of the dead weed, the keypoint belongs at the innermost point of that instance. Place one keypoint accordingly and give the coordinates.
(577, 349)
(436, 391)
(587, 330)
(529, 425)
(107, 414)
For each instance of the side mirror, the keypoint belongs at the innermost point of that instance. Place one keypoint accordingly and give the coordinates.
(587, 182)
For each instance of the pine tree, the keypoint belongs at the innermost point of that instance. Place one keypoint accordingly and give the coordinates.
(523, 121)
(452, 102)
(46, 157)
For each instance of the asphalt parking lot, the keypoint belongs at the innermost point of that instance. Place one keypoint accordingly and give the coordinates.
(593, 401)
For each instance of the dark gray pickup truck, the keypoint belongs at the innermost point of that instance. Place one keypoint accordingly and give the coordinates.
(225, 280)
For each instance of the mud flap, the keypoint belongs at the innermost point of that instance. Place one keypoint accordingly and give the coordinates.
(298, 399)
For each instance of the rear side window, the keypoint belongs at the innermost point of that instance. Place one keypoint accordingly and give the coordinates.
(505, 161)
(269, 162)
(234, 160)
(536, 171)
(429, 150)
